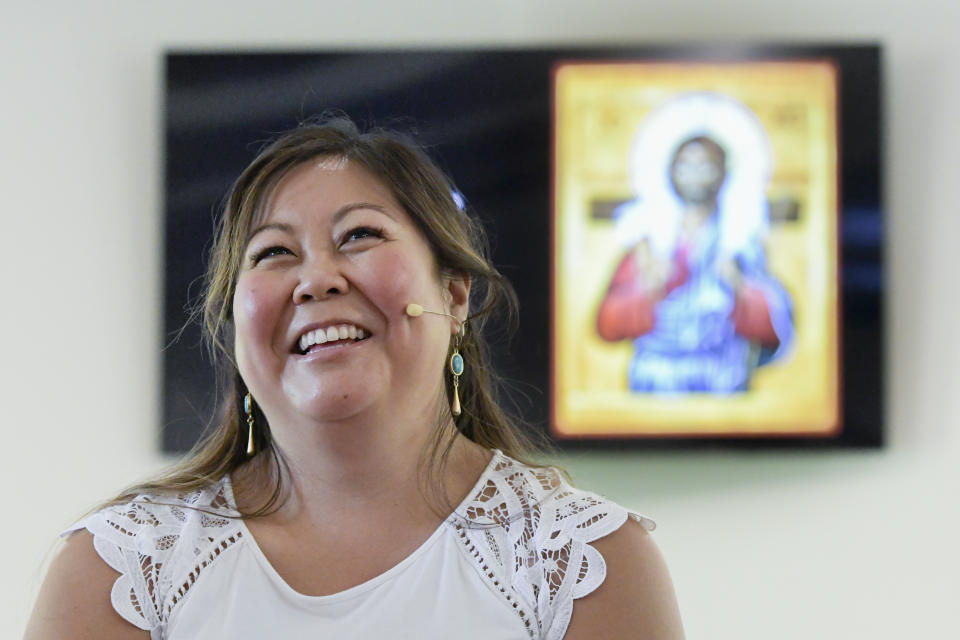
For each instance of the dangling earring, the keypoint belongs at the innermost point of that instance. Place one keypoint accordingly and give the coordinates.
(456, 368)
(248, 407)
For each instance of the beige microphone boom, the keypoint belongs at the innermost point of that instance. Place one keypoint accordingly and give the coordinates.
(415, 310)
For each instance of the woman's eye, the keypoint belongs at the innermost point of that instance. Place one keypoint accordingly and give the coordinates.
(269, 252)
(361, 233)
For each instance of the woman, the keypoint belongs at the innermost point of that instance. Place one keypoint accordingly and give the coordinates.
(363, 481)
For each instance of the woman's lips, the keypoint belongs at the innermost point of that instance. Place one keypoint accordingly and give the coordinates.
(330, 335)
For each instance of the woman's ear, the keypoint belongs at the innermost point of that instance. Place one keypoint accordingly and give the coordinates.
(457, 292)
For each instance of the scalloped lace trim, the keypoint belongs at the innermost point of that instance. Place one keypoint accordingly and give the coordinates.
(528, 532)
(160, 548)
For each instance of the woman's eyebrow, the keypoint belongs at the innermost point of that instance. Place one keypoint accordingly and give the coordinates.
(353, 206)
(279, 226)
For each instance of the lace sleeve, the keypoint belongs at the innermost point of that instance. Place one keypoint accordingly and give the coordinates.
(527, 529)
(123, 538)
(570, 567)
(158, 548)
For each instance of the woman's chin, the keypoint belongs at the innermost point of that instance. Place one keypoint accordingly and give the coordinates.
(331, 402)
(339, 409)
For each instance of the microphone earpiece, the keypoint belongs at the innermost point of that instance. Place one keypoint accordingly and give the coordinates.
(415, 310)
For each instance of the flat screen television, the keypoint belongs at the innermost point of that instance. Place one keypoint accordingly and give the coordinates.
(695, 233)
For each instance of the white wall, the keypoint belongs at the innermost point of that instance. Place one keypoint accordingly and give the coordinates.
(762, 545)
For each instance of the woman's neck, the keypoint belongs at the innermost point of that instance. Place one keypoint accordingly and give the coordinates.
(362, 472)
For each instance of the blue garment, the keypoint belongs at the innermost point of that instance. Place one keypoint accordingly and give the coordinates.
(694, 346)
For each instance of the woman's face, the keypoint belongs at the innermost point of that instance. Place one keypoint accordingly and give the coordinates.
(697, 173)
(319, 304)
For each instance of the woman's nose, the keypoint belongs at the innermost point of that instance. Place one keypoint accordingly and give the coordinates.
(320, 278)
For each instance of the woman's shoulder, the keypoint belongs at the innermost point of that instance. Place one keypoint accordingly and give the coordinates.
(72, 602)
(152, 521)
(529, 528)
(542, 495)
(636, 596)
(159, 542)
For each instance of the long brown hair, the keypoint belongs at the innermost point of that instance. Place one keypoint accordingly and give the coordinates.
(459, 246)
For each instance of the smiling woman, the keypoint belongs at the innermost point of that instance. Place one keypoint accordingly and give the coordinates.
(335, 251)
(363, 480)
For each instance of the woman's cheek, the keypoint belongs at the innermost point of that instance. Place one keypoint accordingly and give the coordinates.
(392, 284)
(255, 313)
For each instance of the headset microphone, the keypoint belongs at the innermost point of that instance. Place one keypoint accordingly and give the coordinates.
(415, 310)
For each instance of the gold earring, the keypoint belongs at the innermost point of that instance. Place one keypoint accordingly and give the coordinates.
(248, 407)
(456, 368)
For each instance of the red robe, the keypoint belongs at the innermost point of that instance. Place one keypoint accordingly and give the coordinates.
(629, 308)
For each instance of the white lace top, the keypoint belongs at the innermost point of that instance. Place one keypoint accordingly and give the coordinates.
(508, 563)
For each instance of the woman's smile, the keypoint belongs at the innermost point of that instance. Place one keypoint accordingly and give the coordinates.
(334, 334)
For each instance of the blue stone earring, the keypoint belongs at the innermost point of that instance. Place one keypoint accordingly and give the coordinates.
(456, 368)
(248, 408)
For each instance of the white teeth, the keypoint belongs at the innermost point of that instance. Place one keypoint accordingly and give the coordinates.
(330, 334)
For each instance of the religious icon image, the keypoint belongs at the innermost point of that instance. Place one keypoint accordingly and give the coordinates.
(692, 291)
(695, 259)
